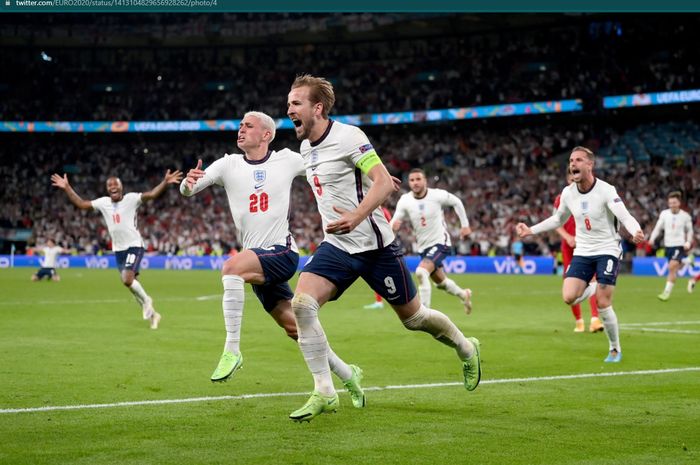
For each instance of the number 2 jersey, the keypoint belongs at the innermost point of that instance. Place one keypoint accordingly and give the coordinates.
(596, 213)
(427, 217)
(120, 218)
(336, 180)
(258, 194)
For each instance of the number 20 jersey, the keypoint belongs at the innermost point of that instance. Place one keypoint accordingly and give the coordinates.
(258, 194)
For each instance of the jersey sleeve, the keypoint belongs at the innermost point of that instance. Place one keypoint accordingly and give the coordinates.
(689, 229)
(657, 228)
(401, 211)
(135, 198)
(451, 200)
(362, 153)
(98, 204)
(617, 207)
(558, 218)
(296, 162)
(212, 175)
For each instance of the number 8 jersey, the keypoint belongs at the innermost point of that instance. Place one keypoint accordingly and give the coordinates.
(596, 213)
(258, 194)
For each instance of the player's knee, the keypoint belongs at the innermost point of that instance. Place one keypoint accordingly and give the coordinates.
(569, 297)
(304, 305)
(422, 274)
(127, 280)
(416, 321)
(229, 267)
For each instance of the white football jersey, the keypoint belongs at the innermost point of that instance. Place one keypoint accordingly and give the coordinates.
(121, 221)
(337, 182)
(677, 228)
(50, 256)
(427, 217)
(596, 214)
(258, 194)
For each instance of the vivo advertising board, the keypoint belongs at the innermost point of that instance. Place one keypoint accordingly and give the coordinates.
(457, 264)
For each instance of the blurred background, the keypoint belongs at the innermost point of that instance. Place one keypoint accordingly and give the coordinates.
(506, 162)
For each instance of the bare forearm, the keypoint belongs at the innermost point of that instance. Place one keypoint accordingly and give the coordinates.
(381, 189)
(76, 200)
(155, 192)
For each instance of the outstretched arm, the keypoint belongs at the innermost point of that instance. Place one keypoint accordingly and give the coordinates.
(169, 178)
(198, 179)
(458, 207)
(631, 225)
(63, 184)
(559, 217)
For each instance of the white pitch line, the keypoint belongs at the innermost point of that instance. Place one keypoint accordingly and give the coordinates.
(663, 330)
(375, 388)
(663, 323)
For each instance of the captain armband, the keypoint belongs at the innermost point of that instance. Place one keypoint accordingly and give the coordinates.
(369, 160)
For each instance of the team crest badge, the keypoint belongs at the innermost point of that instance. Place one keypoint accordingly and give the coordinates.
(314, 159)
(259, 177)
(584, 205)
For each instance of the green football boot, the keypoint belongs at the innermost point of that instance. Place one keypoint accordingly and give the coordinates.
(472, 367)
(353, 386)
(228, 364)
(316, 405)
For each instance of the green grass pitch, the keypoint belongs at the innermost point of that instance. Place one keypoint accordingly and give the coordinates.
(82, 342)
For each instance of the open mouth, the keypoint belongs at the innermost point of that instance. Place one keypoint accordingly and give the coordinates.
(575, 171)
(296, 123)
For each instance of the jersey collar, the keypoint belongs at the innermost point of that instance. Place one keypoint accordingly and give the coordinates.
(257, 162)
(595, 180)
(324, 135)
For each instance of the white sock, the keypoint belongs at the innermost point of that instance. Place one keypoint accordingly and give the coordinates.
(590, 290)
(441, 328)
(668, 288)
(341, 369)
(313, 342)
(232, 304)
(452, 288)
(609, 319)
(139, 294)
(424, 288)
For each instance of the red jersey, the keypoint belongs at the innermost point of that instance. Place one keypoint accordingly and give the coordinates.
(570, 225)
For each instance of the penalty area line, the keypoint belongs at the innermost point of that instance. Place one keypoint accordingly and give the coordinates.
(52, 408)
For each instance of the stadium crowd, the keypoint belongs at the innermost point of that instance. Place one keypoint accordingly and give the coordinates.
(504, 175)
(222, 80)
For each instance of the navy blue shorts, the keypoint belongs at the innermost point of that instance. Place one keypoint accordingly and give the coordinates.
(45, 273)
(675, 253)
(383, 269)
(279, 263)
(436, 254)
(130, 259)
(603, 267)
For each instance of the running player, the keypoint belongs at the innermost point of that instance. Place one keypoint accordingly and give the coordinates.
(568, 243)
(350, 182)
(596, 208)
(677, 227)
(423, 208)
(258, 185)
(119, 213)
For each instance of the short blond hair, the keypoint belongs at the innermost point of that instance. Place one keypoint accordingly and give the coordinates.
(589, 153)
(320, 91)
(266, 120)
